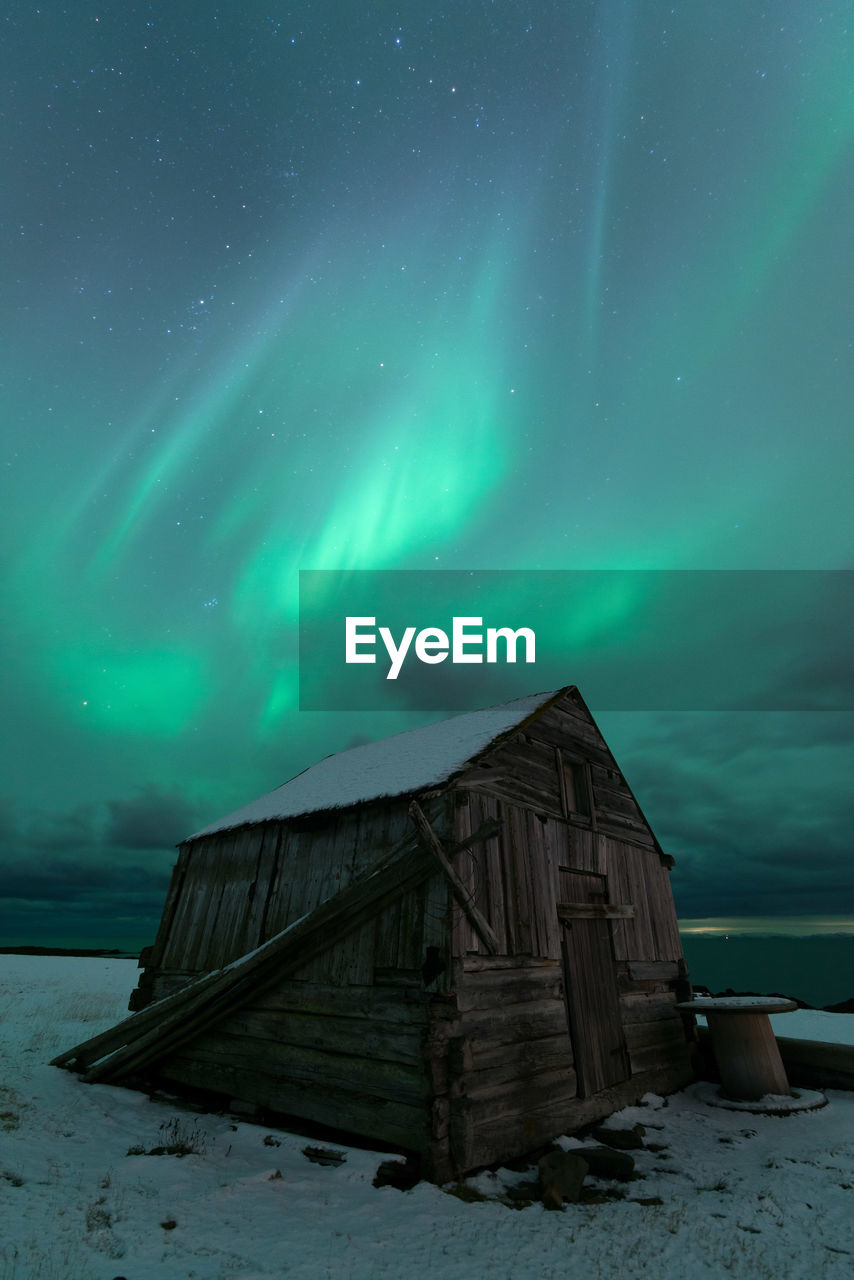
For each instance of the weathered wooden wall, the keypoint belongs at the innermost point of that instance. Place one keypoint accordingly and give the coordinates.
(502, 1064)
(233, 890)
(530, 769)
(572, 832)
(516, 877)
(501, 1061)
(350, 1057)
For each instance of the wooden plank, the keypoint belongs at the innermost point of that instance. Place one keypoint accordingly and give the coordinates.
(173, 897)
(673, 1055)
(653, 970)
(166, 983)
(360, 969)
(402, 1005)
(522, 768)
(222, 935)
(644, 942)
(479, 964)
(513, 1023)
(642, 1006)
(278, 915)
(519, 1061)
(544, 928)
(578, 848)
(461, 893)
(528, 870)
(625, 828)
(594, 911)
(608, 777)
(264, 930)
(490, 887)
(368, 1038)
(565, 807)
(349, 961)
(388, 826)
(580, 739)
(248, 903)
(662, 1032)
(386, 936)
(614, 855)
(387, 1121)
(322, 877)
(668, 944)
(194, 907)
(520, 934)
(513, 791)
(190, 900)
(601, 1058)
(512, 1100)
(501, 987)
(436, 932)
(212, 943)
(374, 1078)
(467, 814)
(581, 886)
(410, 943)
(555, 848)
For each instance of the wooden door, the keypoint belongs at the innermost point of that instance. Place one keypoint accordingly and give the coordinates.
(593, 1004)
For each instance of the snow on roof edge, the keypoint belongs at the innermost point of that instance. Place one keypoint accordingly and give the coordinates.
(403, 762)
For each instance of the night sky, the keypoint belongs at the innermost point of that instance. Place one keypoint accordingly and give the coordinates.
(493, 285)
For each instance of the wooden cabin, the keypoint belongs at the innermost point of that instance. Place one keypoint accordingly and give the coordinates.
(459, 940)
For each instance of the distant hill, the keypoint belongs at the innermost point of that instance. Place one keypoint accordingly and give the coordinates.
(69, 951)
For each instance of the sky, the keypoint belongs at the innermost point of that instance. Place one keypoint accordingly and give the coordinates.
(491, 286)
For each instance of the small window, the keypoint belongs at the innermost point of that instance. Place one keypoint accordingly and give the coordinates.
(575, 789)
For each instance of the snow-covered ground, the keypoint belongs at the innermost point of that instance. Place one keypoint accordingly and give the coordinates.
(741, 1195)
(811, 1024)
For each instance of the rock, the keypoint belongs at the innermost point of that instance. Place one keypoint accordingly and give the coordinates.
(525, 1192)
(622, 1139)
(604, 1162)
(400, 1174)
(562, 1174)
(324, 1155)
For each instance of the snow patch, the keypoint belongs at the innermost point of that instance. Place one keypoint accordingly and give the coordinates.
(743, 1196)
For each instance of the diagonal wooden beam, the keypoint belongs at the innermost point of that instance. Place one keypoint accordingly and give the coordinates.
(475, 916)
(139, 1040)
(159, 1028)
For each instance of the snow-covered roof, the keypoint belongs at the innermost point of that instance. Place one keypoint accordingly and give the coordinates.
(403, 763)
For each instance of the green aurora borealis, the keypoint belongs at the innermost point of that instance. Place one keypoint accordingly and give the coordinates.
(324, 286)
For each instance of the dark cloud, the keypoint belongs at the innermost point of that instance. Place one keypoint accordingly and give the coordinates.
(73, 830)
(152, 819)
(108, 865)
(64, 881)
(754, 807)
